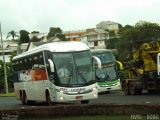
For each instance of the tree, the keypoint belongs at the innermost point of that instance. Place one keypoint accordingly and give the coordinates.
(124, 43)
(35, 32)
(1, 76)
(12, 34)
(147, 31)
(112, 33)
(56, 32)
(24, 38)
(134, 36)
(120, 26)
(9, 75)
(112, 43)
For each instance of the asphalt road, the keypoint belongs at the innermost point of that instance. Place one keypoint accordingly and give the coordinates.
(111, 98)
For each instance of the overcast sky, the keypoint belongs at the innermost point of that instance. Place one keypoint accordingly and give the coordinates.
(40, 15)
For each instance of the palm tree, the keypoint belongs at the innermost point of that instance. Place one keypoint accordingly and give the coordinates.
(12, 34)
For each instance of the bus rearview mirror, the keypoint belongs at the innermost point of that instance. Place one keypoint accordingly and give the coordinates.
(99, 63)
(51, 64)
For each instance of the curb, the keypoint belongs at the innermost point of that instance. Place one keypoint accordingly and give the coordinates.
(81, 110)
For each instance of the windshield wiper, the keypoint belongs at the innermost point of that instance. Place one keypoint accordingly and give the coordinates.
(90, 82)
(82, 77)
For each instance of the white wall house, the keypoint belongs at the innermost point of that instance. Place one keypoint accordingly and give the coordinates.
(95, 38)
(7, 58)
(41, 36)
(7, 51)
(7, 55)
(110, 25)
(11, 47)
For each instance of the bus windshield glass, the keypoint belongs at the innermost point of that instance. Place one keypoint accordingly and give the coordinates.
(105, 57)
(74, 69)
(108, 70)
(107, 73)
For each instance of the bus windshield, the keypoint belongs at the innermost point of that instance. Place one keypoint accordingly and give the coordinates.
(74, 69)
(108, 70)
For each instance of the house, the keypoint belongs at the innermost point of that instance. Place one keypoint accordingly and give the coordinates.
(95, 38)
(22, 48)
(11, 47)
(36, 44)
(7, 51)
(53, 39)
(7, 42)
(41, 36)
(108, 25)
(74, 35)
(7, 55)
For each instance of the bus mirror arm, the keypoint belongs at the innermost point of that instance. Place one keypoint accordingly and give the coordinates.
(99, 63)
(51, 65)
(120, 65)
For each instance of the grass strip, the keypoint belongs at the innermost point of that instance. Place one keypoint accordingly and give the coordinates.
(7, 95)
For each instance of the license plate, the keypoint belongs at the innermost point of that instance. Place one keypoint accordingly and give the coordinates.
(79, 97)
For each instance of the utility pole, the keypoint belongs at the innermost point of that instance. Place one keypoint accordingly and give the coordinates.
(5, 70)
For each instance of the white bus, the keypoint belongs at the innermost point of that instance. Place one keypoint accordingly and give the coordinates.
(55, 72)
(108, 75)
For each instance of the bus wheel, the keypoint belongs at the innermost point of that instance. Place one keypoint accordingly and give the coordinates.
(151, 91)
(24, 98)
(48, 98)
(30, 102)
(139, 91)
(125, 89)
(84, 101)
(107, 92)
(132, 88)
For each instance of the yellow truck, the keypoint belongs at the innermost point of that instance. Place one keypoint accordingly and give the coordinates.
(144, 70)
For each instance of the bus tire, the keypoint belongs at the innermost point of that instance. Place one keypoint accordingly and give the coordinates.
(152, 91)
(84, 101)
(31, 102)
(139, 91)
(24, 98)
(107, 92)
(48, 98)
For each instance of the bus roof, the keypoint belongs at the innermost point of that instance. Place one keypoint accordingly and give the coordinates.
(67, 46)
(100, 50)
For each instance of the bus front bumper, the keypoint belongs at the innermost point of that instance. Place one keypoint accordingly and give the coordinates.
(63, 97)
(106, 88)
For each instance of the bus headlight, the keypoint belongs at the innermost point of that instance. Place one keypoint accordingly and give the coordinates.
(95, 95)
(94, 89)
(61, 98)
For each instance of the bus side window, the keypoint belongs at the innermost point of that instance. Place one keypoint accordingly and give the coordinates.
(30, 62)
(20, 65)
(25, 64)
(16, 65)
(47, 56)
(38, 61)
(38, 67)
(15, 72)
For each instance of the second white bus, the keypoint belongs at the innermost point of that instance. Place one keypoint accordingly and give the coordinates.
(108, 78)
